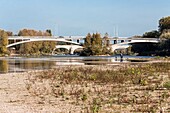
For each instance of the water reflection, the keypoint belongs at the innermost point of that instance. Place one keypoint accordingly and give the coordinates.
(97, 61)
(3, 66)
(29, 64)
(21, 65)
(24, 64)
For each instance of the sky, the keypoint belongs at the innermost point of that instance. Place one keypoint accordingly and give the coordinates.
(123, 18)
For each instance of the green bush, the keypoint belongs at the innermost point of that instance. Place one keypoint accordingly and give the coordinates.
(167, 84)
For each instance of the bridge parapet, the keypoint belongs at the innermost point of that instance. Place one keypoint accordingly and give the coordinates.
(49, 37)
(29, 37)
(144, 38)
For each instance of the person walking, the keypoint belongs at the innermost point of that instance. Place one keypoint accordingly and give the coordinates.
(121, 57)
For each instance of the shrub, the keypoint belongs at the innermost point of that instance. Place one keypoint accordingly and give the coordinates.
(167, 84)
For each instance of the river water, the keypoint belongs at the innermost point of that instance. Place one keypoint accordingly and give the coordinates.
(21, 64)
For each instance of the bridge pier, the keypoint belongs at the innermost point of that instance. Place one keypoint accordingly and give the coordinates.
(71, 51)
(12, 50)
(78, 40)
(115, 41)
(73, 48)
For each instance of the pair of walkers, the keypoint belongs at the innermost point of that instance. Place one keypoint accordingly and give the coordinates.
(121, 58)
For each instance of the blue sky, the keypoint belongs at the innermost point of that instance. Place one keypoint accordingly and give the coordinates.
(78, 17)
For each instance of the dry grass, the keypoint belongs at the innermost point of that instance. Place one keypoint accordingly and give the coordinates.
(124, 88)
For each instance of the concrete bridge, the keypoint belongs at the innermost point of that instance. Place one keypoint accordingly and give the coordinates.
(126, 43)
(75, 41)
(22, 39)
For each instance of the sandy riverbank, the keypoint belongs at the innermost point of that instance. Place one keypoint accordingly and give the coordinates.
(15, 98)
(32, 92)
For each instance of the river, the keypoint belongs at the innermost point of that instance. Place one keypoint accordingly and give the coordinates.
(21, 64)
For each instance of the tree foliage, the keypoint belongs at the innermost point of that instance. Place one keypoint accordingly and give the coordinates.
(151, 34)
(45, 47)
(94, 45)
(144, 49)
(3, 42)
(30, 32)
(49, 31)
(164, 27)
(106, 41)
(88, 41)
(165, 36)
(164, 24)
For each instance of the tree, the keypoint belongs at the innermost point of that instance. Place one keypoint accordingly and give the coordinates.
(106, 44)
(49, 31)
(106, 41)
(26, 48)
(36, 47)
(88, 41)
(164, 24)
(3, 42)
(47, 47)
(87, 46)
(136, 36)
(164, 28)
(165, 36)
(94, 45)
(9, 33)
(144, 49)
(151, 34)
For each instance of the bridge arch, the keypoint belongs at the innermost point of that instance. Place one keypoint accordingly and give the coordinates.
(53, 52)
(125, 45)
(36, 40)
(71, 48)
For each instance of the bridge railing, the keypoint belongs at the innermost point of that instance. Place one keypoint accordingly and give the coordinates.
(145, 38)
